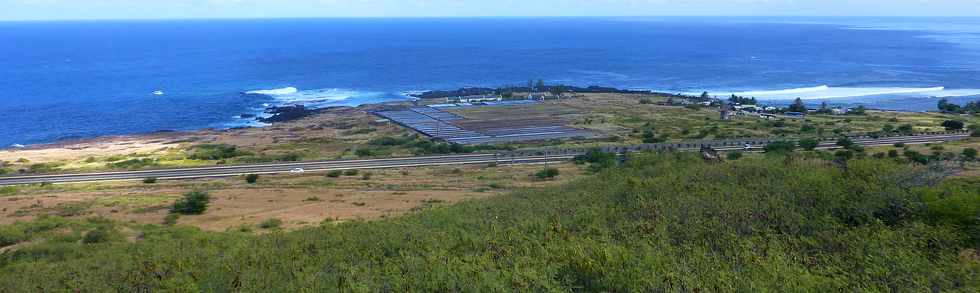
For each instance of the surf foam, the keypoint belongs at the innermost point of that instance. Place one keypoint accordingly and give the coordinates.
(825, 92)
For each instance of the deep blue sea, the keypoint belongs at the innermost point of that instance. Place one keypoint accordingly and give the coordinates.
(64, 80)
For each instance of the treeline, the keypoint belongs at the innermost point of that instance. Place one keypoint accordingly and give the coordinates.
(646, 223)
(970, 108)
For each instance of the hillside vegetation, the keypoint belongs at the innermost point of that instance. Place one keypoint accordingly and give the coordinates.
(662, 222)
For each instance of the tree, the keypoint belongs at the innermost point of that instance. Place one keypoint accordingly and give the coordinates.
(844, 142)
(946, 107)
(970, 154)
(809, 144)
(797, 106)
(953, 125)
(193, 203)
(252, 178)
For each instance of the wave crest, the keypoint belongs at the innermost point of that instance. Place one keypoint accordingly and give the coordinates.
(825, 92)
(274, 92)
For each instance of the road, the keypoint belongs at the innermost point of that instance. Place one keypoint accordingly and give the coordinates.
(278, 168)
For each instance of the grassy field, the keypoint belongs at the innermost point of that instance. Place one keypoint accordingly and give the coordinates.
(297, 200)
(663, 222)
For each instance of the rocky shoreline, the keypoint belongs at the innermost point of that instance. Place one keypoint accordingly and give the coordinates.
(471, 91)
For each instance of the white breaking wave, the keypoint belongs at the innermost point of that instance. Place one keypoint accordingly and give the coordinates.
(312, 98)
(274, 92)
(825, 92)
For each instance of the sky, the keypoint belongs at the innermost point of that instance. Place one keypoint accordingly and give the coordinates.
(180, 9)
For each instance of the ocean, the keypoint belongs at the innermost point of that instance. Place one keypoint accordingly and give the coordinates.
(81, 79)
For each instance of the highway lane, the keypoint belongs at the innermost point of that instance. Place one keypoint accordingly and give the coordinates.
(236, 170)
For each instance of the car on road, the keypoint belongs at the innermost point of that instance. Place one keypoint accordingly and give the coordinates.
(297, 171)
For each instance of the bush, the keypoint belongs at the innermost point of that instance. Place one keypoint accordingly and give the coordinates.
(214, 152)
(952, 125)
(351, 172)
(150, 180)
(271, 224)
(193, 203)
(844, 154)
(364, 152)
(137, 163)
(734, 155)
(102, 234)
(8, 190)
(844, 142)
(780, 147)
(366, 176)
(970, 154)
(597, 159)
(252, 178)
(547, 173)
(899, 145)
(893, 153)
(916, 157)
(171, 219)
(809, 144)
(335, 173)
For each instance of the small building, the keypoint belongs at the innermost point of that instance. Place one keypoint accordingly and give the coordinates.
(839, 111)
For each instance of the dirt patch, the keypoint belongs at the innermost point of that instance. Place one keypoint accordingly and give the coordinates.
(298, 201)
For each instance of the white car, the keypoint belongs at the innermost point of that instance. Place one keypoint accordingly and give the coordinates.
(297, 171)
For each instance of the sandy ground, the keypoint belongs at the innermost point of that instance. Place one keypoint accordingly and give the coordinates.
(296, 200)
(322, 136)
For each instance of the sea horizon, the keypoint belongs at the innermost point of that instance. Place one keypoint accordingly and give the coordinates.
(80, 79)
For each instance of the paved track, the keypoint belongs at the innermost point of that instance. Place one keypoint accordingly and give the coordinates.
(523, 158)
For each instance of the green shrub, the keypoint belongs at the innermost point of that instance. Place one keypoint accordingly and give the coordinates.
(137, 163)
(734, 155)
(150, 180)
(214, 152)
(335, 173)
(893, 153)
(271, 224)
(780, 147)
(363, 152)
(968, 153)
(102, 234)
(193, 203)
(844, 142)
(8, 190)
(366, 176)
(251, 178)
(899, 145)
(809, 144)
(547, 173)
(952, 125)
(351, 172)
(171, 219)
